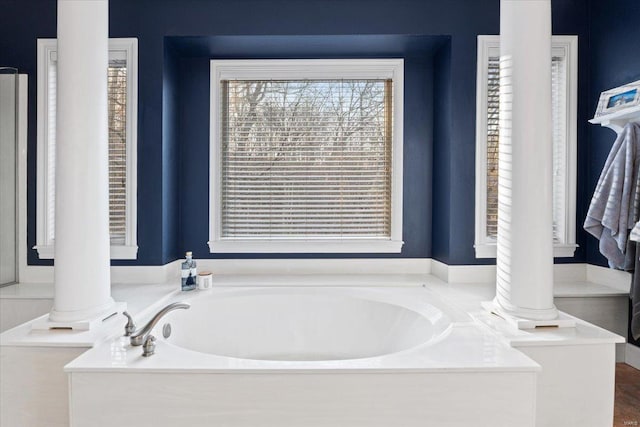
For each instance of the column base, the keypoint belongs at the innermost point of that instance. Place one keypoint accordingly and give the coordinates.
(561, 320)
(91, 322)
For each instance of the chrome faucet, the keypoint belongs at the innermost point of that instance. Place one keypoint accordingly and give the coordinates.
(143, 335)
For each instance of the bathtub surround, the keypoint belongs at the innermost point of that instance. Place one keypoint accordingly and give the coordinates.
(21, 352)
(575, 387)
(81, 276)
(309, 399)
(320, 362)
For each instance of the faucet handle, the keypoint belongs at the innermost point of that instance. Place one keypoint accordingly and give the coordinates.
(149, 346)
(130, 327)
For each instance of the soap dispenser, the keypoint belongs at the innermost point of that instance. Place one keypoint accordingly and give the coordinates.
(189, 273)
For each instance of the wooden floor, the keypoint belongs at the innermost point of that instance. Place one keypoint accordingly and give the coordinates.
(627, 404)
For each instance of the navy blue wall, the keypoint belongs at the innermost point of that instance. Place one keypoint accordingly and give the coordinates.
(444, 189)
(170, 154)
(441, 135)
(614, 58)
(193, 129)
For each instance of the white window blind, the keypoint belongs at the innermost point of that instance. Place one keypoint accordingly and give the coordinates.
(117, 96)
(493, 137)
(559, 120)
(52, 90)
(121, 89)
(564, 112)
(306, 160)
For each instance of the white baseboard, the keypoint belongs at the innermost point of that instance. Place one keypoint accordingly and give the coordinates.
(145, 273)
(440, 270)
(570, 272)
(119, 274)
(561, 273)
(487, 273)
(463, 273)
(36, 274)
(632, 356)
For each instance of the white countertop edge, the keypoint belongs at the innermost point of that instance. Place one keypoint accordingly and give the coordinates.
(24, 336)
(575, 342)
(583, 333)
(319, 371)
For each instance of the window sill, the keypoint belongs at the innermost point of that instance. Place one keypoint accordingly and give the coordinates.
(117, 252)
(306, 246)
(488, 250)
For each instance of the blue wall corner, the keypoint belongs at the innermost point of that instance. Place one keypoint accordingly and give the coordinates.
(442, 119)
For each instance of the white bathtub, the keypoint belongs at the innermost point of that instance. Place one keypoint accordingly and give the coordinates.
(285, 324)
(309, 357)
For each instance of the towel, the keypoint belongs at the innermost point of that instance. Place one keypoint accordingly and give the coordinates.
(634, 329)
(635, 286)
(611, 213)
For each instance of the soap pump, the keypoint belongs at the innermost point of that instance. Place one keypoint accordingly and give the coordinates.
(189, 273)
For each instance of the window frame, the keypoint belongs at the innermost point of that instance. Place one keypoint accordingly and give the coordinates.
(567, 46)
(283, 69)
(46, 48)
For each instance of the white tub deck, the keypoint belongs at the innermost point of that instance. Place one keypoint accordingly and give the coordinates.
(461, 377)
(479, 375)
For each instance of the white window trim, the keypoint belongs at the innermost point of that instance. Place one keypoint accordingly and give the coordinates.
(307, 69)
(44, 245)
(567, 46)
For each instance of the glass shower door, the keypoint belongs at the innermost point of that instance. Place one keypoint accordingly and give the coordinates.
(8, 175)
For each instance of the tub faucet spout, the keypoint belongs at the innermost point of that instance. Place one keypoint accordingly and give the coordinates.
(140, 336)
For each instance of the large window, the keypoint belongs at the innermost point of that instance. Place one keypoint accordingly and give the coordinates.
(306, 156)
(122, 98)
(564, 106)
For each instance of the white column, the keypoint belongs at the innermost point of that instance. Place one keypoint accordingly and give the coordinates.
(525, 240)
(82, 277)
